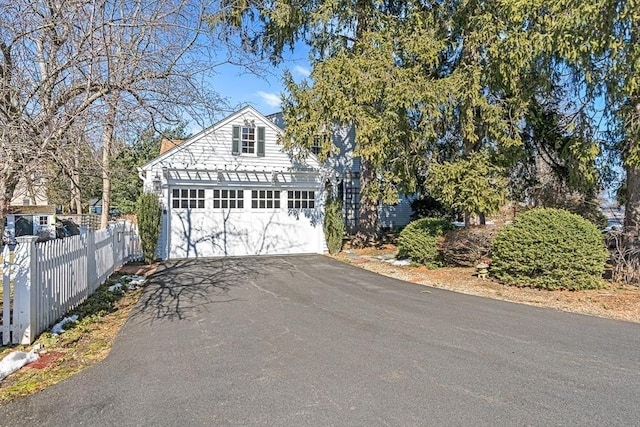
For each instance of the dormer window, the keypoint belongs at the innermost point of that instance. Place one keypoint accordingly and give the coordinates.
(247, 140)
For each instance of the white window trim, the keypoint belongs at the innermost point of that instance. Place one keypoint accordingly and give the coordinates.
(200, 196)
(221, 201)
(250, 143)
(303, 197)
(275, 200)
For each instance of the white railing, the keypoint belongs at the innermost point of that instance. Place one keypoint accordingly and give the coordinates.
(41, 282)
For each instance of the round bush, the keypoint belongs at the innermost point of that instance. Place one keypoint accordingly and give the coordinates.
(419, 240)
(549, 249)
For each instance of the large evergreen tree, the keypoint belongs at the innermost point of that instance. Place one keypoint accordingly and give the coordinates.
(418, 81)
(599, 40)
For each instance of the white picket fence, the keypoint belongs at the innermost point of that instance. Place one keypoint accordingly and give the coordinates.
(41, 282)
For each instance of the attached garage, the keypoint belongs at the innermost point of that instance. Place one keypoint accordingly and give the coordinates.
(233, 191)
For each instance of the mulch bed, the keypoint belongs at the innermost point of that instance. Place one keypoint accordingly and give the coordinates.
(45, 360)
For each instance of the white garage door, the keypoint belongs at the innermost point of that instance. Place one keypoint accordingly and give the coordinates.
(206, 222)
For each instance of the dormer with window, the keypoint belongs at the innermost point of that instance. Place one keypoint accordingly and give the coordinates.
(248, 140)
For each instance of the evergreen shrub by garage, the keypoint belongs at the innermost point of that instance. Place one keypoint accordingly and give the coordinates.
(419, 240)
(333, 225)
(149, 216)
(549, 249)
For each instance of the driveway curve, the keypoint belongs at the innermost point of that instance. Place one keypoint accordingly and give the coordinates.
(309, 341)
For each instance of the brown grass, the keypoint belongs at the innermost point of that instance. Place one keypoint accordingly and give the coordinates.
(87, 343)
(615, 301)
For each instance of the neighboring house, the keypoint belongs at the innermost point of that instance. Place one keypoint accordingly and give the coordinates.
(233, 190)
(95, 206)
(29, 211)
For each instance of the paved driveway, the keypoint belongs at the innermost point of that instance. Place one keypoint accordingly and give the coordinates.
(308, 341)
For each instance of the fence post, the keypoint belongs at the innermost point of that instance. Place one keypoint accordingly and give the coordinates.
(25, 289)
(90, 246)
(5, 281)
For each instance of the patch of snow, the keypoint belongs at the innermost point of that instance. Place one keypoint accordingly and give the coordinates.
(16, 360)
(58, 327)
(115, 287)
(136, 280)
(402, 262)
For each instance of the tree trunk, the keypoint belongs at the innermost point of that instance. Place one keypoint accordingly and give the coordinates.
(76, 200)
(367, 230)
(7, 186)
(482, 218)
(107, 138)
(632, 204)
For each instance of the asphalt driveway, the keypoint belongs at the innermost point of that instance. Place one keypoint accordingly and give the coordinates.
(308, 341)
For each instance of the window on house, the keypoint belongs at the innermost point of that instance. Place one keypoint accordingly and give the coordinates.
(248, 140)
(228, 199)
(265, 199)
(316, 146)
(300, 199)
(26, 202)
(44, 220)
(188, 198)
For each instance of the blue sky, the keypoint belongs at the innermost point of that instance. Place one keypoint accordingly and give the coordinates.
(262, 91)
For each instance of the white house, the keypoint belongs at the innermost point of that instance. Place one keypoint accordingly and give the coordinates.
(29, 212)
(233, 190)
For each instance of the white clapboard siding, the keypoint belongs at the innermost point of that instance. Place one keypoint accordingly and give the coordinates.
(211, 150)
(41, 282)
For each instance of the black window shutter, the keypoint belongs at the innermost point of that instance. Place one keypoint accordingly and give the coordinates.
(235, 142)
(260, 142)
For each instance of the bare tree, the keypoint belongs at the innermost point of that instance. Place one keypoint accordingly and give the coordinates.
(63, 63)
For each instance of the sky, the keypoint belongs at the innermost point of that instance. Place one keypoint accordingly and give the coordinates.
(261, 91)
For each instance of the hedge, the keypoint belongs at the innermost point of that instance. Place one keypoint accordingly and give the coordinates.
(549, 249)
(419, 240)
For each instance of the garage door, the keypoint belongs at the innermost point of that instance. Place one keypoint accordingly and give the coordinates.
(206, 222)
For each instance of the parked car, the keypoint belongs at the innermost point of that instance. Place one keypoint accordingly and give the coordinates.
(115, 213)
(66, 228)
(613, 226)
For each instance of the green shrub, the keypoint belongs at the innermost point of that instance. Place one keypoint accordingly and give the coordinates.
(549, 249)
(333, 225)
(419, 240)
(149, 218)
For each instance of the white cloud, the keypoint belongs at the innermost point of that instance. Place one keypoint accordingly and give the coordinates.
(271, 99)
(304, 72)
